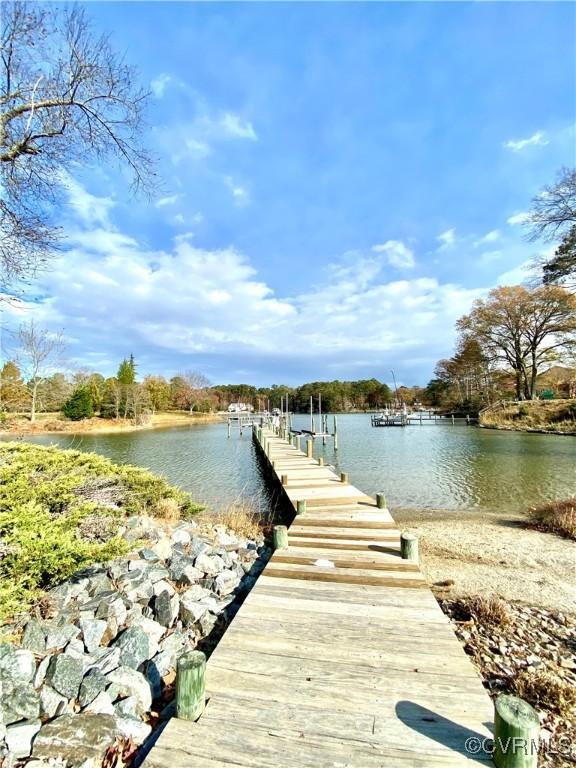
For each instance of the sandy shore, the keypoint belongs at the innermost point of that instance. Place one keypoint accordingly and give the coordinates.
(491, 554)
(49, 425)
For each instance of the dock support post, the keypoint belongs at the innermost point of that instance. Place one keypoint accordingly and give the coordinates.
(298, 442)
(516, 733)
(228, 427)
(321, 461)
(380, 501)
(300, 506)
(324, 429)
(409, 547)
(280, 537)
(284, 480)
(191, 685)
(343, 477)
(335, 434)
(309, 449)
(452, 419)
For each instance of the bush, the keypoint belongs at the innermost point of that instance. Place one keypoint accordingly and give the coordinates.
(556, 516)
(51, 503)
(79, 405)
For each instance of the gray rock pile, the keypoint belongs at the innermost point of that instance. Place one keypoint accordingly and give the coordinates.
(98, 671)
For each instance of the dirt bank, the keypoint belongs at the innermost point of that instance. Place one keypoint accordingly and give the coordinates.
(54, 424)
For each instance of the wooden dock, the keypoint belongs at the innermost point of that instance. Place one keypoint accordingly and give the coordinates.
(340, 656)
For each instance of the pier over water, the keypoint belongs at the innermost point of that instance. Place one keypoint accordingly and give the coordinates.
(340, 655)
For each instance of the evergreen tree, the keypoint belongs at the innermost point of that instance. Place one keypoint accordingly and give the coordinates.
(79, 405)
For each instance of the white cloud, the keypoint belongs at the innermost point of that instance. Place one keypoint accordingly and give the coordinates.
(517, 218)
(89, 208)
(234, 126)
(159, 83)
(489, 237)
(169, 200)
(397, 253)
(240, 194)
(446, 239)
(537, 139)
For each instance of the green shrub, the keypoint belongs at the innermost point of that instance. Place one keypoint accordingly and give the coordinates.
(46, 494)
(79, 405)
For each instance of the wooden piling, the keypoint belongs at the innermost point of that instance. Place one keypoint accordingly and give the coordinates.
(191, 685)
(300, 506)
(335, 434)
(280, 537)
(516, 733)
(284, 480)
(321, 461)
(309, 449)
(409, 547)
(380, 501)
(343, 477)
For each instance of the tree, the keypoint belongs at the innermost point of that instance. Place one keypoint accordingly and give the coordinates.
(65, 97)
(39, 350)
(522, 328)
(188, 389)
(158, 392)
(553, 216)
(14, 395)
(53, 392)
(126, 377)
(79, 405)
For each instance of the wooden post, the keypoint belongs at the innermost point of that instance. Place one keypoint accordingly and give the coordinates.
(294, 441)
(324, 429)
(191, 685)
(309, 449)
(380, 501)
(321, 461)
(335, 434)
(280, 537)
(516, 733)
(298, 442)
(284, 479)
(409, 547)
(300, 506)
(343, 477)
(452, 419)
(228, 427)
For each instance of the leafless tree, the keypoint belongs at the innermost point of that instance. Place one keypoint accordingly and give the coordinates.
(554, 208)
(39, 351)
(65, 97)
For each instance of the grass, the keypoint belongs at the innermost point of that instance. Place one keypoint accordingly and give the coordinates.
(61, 510)
(485, 610)
(546, 690)
(242, 517)
(556, 517)
(550, 415)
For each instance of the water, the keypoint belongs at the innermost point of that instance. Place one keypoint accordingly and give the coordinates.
(431, 466)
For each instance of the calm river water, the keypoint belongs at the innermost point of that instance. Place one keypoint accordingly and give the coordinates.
(418, 467)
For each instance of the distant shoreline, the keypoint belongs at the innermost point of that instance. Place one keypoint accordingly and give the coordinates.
(57, 426)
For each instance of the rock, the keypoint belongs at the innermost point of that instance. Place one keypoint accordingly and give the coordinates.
(111, 631)
(209, 564)
(19, 737)
(134, 729)
(134, 647)
(163, 586)
(59, 636)
(198, 547)
(173, 643)
(226, 582)
(52, 703)
(41, 671)
(112, 605)
(163, 548)
(65, 674)
(181, 536)
(188, 575)
(152, 674)
(20, 702)
(149, 555)
(16, 664)
(99, 583)
(105, 659)
(166, 608)
(191, 610)
(127, 707)
(94, 682)
(195, 592)
(164, 661)
(76, 738)
(153, 631)
(34, 637)
(206, 623)
(226, 539)
(101, 705)
(129, 682)
(92, 632)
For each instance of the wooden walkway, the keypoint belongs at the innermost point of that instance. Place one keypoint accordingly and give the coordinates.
(340, 655)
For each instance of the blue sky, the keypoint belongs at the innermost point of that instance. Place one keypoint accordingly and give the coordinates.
(339, 182)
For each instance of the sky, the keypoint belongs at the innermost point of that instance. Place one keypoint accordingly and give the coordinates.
(338, 183)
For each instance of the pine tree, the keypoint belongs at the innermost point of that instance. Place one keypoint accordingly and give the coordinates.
(79, 405)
